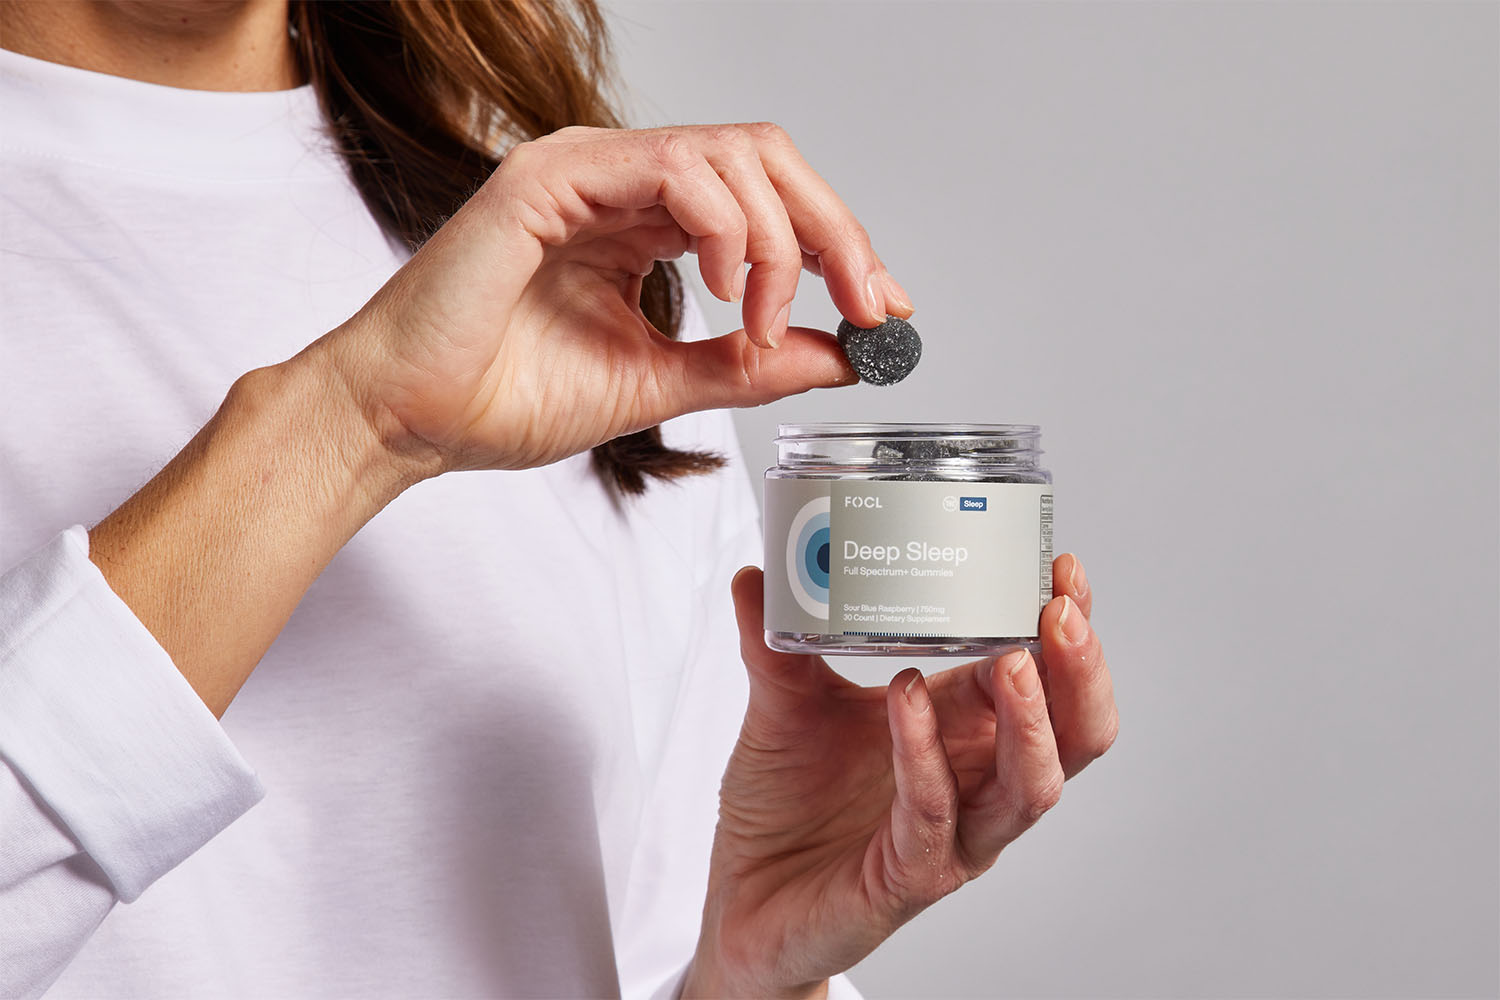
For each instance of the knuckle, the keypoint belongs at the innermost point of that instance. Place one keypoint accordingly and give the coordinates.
(673, 152)
(1039, 799)
(523, 158)
(731, 138)
(1035, 726)
(571, 132)
(769, 132)
(854, 233)
(776, 247)
(934, 810)
(853, 236)
(749, 363)
(926, 745)
(788, 251)
(734, 226)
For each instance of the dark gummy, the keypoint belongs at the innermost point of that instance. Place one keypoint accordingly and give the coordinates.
(884, 354)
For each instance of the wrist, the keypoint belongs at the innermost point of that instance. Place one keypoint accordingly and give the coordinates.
(213, 554)
(294, 426)
(710, 976)
(382, 455)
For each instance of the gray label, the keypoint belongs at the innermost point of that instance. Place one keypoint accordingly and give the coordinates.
(904, 559)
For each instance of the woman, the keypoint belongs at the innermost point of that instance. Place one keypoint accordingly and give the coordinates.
(490, 737)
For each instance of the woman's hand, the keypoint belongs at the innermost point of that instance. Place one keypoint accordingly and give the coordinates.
(515, 338)
(846, 810)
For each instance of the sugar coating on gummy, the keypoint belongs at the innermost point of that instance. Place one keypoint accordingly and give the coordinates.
(884, 354)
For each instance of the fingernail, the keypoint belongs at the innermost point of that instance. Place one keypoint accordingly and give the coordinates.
(916, 697)
(778, 326)
(845, 376)
(737, 292)
(1023, 675)
(873, 297)
(1078, 581)
(839, 375)
(896, 295)
(1071, 621)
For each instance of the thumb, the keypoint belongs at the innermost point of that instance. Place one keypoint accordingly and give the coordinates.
(782, 682)
(732, 371)
(924, 811)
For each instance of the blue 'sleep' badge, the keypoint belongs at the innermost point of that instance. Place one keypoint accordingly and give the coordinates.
(973, 503)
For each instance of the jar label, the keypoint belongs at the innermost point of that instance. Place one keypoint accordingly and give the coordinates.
(900, 559)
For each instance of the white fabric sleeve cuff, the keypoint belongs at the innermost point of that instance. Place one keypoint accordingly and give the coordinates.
(840, 988)
(99, 722)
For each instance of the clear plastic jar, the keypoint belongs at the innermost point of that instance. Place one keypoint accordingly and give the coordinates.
(907, 539)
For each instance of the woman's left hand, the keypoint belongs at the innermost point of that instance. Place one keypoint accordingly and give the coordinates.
(846, 810)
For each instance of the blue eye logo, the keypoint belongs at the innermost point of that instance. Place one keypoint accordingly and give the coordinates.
(808, 557)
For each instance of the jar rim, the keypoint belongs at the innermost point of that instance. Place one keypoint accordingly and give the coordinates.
(903, 430)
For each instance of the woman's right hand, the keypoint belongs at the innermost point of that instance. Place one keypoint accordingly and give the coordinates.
(514, 337)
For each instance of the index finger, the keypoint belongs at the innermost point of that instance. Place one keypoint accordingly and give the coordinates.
(826, 229)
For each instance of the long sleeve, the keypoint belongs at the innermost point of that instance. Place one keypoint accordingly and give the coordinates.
(112, 771)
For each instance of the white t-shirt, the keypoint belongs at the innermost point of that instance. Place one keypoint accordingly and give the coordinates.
(490, 738)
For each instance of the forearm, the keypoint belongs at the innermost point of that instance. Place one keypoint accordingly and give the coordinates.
(215, 552)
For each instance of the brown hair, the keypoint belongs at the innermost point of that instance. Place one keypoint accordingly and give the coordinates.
(421, 93)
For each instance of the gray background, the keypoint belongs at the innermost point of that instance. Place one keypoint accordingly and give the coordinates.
(1239, 260)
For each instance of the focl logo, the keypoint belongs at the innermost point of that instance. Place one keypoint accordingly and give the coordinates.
(973, 503)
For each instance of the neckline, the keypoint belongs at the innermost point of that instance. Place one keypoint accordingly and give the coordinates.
(64, 112)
